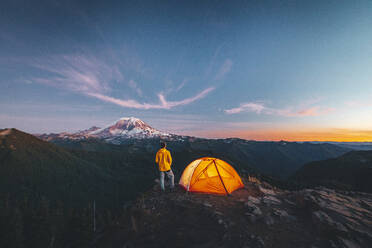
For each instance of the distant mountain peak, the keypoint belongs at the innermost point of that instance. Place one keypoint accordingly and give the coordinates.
(87, 131)
(128, 127)
(132, 119)
(130, 123)
(116, 132)
(6, 131)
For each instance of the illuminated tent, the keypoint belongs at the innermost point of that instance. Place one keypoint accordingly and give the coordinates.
(210, 175)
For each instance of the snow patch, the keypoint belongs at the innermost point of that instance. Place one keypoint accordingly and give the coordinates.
(128, 127)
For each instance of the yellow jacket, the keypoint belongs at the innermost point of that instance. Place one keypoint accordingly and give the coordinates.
(163, 159)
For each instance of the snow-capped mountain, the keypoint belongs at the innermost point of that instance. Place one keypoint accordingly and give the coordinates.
(124, 128)
(128, 127)
(87, 131)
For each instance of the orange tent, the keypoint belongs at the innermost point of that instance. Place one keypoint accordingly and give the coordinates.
(210, 175)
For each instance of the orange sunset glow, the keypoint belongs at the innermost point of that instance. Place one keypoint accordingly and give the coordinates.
(331, 134)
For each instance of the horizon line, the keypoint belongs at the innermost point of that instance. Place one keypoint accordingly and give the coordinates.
(223, 138)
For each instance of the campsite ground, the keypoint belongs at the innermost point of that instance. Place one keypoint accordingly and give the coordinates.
(256, 216)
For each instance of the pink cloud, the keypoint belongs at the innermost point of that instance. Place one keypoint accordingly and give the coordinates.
(313, 111)
(260, 108)
(92, 77)
(247, 107)
(359, 103)
(77, 73)
(164, 104)
(186, 101)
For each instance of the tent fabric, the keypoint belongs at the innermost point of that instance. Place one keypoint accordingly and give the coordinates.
(210, 175)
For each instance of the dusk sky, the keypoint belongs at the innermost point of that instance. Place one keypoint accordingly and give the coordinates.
(264, 70)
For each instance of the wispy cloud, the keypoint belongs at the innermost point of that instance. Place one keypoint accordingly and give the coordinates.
(186, 101)
(92, 77)
(214, 59)
(359, 103)
(224, 69)
(247, 107)
(181, 85)
(163, 103)
(260, 108)
(77, 73)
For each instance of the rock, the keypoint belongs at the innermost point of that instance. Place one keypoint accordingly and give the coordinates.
(303, 218)
(283, 215)
(253, 180)
(260, 241)
(256, 241)
(271, 200)
(257, 211)
(267, 191)
(280, 213)
(289, 202)
(251, 217)
(291, 218)
(253, 208)
(249, 204)
(254, 199)
(348, 243)
(269, 220)
(323, 218)
(333, 244)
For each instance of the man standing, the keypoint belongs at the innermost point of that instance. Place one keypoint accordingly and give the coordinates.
(164, 160)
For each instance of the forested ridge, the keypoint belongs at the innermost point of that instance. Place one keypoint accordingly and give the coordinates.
(47, 192)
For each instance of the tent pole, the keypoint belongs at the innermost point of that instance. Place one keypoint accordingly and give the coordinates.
(188, 187)
(214, 161)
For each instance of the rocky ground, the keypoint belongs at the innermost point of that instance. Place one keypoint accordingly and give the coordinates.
(257, 216)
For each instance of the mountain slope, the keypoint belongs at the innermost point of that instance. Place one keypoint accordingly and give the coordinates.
(258, 215)
(359, 146)
(34, 168)
(278, 159)
(47, 192)
(351, 171)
